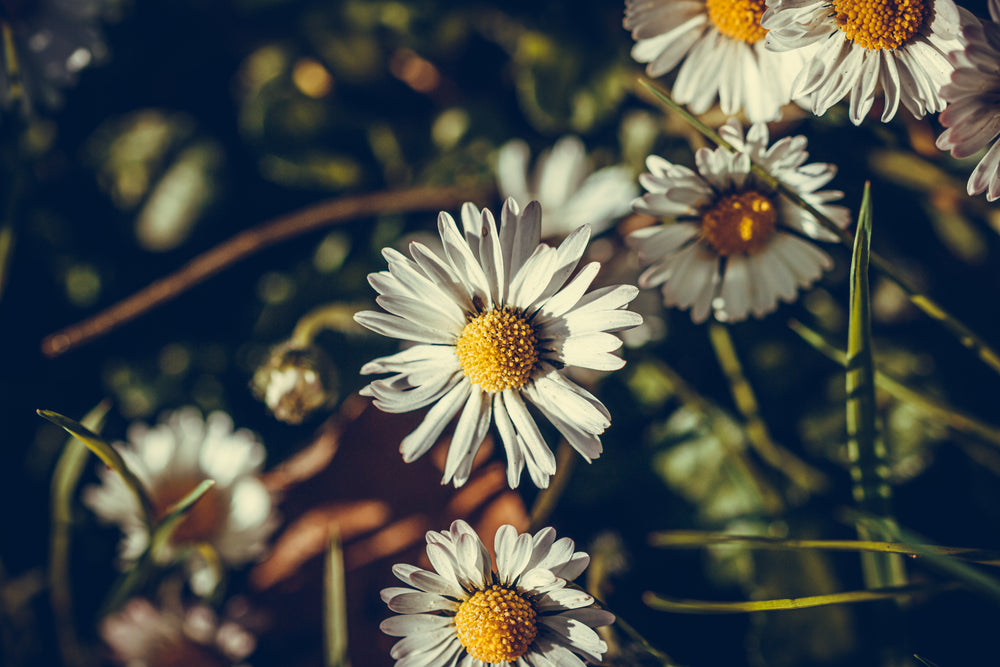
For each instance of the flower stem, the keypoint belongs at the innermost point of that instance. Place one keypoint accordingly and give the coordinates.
(968, 338)
(250, 242)
(547, 499)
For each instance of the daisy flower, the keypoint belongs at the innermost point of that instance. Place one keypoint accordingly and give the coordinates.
(53, 41)
(142, 635)
(721, 44)
(973, 113)
(564, 183)
(493, 321)
(736, 246)
(236, 516)
(523, 614)
(861, 46)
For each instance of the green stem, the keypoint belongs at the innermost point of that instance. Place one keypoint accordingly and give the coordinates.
(968, 338)
(798, 471)
(547, 499)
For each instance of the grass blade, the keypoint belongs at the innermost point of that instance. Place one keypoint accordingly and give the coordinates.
(865, 449)
(682, 606)
(335, 606)
(694, 539)
(176, 513)
(65, 478)
(109, 455)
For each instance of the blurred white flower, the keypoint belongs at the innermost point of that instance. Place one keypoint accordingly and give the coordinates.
(53, 40)
(973, 113)
(564, 183)
(863, 46)
(495, 320)
(142, 635)
(736, 247)
(236, 516)
(721, 44)
(465, 613)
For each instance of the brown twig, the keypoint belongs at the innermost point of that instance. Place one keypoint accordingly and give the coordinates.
(248, 242)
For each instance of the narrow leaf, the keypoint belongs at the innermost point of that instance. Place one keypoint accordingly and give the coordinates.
(335, 606)
(682, 606)
(109, 455)
(690, 539)
(65, 478)
(865, 450)
(176, 513)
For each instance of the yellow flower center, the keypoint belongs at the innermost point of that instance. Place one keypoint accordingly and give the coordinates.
(496, 625)
(498, 349)
(738, 19)
(879, 24)
(742, 222)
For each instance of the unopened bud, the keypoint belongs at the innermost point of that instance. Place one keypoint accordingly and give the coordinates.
(295, 382)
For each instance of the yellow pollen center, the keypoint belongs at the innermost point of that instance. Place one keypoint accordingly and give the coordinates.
(498, 349)
(496, 625)
(738, 19)
(879, 24)
(736, 223)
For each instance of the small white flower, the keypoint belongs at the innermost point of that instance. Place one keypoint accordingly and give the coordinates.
(563, 183)
(141, 635)
(524, 614)
(737, 247)
(862, 46)
(494, 320)
(722, 45)
(236, 516)
(53, 41)
(973, 113)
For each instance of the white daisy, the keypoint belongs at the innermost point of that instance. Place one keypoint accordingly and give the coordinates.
(897, 46)
(564, 183)
(142, 635)
(493, 321)
(53, 40)
(465, 613)
(236, 516)
(973, 113)
(736, 247)
(722, 45)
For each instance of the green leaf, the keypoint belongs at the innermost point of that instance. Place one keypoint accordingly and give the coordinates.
(865, 450)
(111, 458)
(678, 605)
(176, 513)
(65, 478)
(335, 606)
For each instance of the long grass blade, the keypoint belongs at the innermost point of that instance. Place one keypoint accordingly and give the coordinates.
(176, 513)
(335, 606)
(65, 478)
(965, 336)
(111, 458)
(865, 449)
(693, 539)
(683, 606)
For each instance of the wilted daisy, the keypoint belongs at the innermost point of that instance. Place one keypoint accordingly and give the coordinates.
(722, 45)
(142, 635)
(236, 516)
(564, 183)
(736, 247)
(973, 113)
(494, 320)
(862, 46)
(53, 40)
(524, 613)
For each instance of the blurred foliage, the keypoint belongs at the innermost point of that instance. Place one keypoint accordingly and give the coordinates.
(211, 117)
